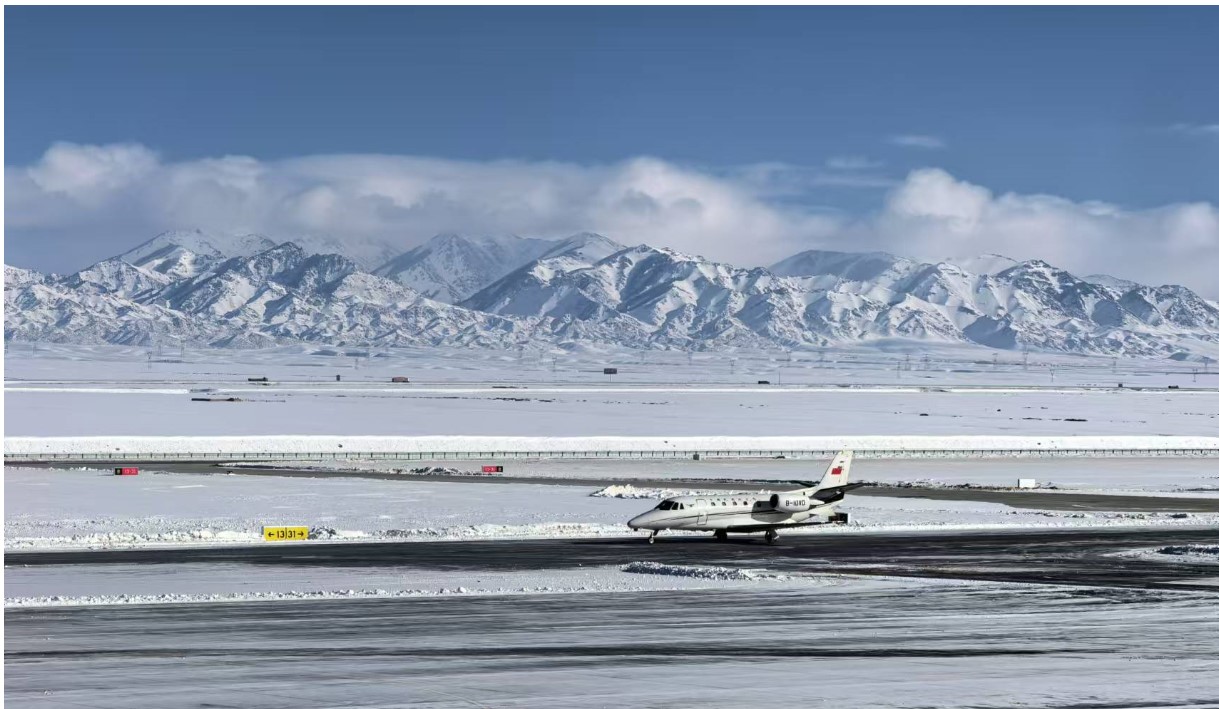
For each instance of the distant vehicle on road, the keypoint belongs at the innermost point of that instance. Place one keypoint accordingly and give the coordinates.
(811, 505)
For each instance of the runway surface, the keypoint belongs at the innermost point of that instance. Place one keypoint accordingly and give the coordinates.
(862, 643)
(1078, 556)
(1086, 629)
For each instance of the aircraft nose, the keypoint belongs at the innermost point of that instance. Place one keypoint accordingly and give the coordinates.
(641, 521)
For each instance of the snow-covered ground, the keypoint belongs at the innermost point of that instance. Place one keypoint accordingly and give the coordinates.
(65, 390)
(894, 364)
(1184, 554)
(95, 509)
(1176, 476)
(525, 412)
(1172, 475)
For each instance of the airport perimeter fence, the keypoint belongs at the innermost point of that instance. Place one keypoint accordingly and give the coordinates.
(225, 457)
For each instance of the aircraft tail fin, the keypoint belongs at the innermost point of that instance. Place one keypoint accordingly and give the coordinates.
(834, 483)
(839, 471)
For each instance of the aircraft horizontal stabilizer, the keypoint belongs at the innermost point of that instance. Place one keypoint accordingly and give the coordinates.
(833, 494)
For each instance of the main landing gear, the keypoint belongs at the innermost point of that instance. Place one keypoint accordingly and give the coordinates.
(771, 536)
(721, 535)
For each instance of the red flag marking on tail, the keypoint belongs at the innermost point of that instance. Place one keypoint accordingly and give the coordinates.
(836, 471)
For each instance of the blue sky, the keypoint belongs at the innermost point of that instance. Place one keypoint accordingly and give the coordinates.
(1110, 104)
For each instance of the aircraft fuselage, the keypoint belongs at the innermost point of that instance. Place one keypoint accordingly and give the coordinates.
(714, 512)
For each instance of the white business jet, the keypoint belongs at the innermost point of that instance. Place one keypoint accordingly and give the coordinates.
(752, 512)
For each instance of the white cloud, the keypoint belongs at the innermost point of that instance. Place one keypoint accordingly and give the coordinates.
(81, 203)
(935, 197)
(1210, 130)
(933, 215)
(96, 201)
(926, 142)
(85, 173)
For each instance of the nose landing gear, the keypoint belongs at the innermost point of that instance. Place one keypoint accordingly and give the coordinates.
(652, 537)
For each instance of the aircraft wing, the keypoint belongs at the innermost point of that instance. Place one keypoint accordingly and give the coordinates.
(768, 527)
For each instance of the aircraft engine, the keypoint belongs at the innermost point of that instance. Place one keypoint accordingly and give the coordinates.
(789, 502)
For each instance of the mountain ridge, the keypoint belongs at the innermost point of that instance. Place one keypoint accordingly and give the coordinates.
(586, 288)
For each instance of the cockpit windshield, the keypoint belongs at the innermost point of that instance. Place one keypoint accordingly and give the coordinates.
(670, 505)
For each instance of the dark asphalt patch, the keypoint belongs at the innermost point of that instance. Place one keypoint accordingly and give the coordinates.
(1073, 557)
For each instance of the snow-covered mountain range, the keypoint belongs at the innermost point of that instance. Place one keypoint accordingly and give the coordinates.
(508, 291)
(451, 267)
